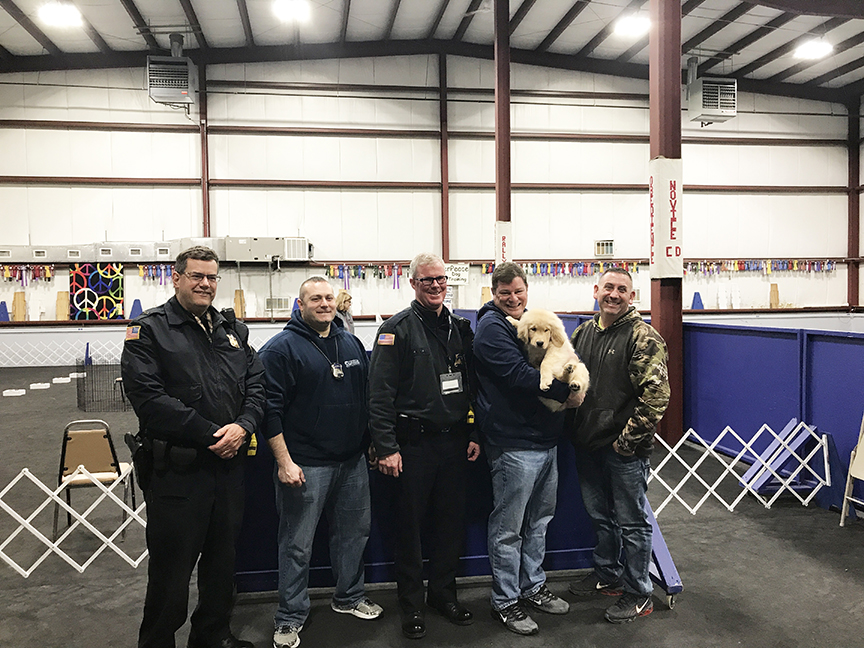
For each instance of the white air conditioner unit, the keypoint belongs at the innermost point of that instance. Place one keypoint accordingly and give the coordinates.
(297, 249)
(712, 100)
(171, 79)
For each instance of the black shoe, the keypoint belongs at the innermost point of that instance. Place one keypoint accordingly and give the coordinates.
(228, 642)
(414, 625)
(453, 612)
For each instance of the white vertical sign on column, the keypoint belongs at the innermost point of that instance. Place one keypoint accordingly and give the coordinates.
(664, 194)
(503, 242)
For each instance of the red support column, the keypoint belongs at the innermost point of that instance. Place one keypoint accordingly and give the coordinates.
(665, 137)
(502, 110)
(853, 250)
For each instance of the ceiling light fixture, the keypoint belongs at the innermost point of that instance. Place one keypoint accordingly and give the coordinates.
(814, 49)
(59, 14)
(632, 26)
(292, 10)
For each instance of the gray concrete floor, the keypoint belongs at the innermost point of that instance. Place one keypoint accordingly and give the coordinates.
(788, 577)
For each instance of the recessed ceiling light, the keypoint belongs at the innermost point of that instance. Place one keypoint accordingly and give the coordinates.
(60, 14)
(633, 26)
(814, 49)
(292, 10)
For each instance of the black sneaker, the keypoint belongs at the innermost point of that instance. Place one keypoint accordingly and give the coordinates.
(628, 607)
(591, 585)
(515, 619)
(546, 601)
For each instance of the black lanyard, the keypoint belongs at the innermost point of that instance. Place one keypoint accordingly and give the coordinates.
(445, 346)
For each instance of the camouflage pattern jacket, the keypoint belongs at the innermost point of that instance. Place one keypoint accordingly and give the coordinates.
(629, 384)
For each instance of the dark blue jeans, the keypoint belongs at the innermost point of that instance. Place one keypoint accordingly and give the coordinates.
(613, 491)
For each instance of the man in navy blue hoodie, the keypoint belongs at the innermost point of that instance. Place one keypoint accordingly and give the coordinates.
(521, 438)
(316, 423)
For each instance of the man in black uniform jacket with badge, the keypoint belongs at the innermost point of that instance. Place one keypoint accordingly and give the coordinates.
(198, 390)
(418, 408)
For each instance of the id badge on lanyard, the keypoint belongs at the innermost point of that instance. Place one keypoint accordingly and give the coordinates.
(451, 383)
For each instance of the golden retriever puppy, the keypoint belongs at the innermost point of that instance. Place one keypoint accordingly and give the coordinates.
(549, 350)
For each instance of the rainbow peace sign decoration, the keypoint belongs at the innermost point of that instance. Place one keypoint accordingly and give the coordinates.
(96, 291)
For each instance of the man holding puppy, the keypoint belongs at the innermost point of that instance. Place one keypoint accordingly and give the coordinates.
(521, 436)
(613, 433)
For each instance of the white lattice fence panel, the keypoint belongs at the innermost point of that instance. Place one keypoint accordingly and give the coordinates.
(56, 496)
(785, 448)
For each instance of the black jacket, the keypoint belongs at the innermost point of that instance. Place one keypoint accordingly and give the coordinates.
(411, 352)
(322, 419)
(185, 386)
(509, 412)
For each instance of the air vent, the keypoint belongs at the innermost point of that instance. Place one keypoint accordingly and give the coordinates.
(5, 254)
(40, 254)
(73, 254)
(163, 251)
(712, 100)
(604, 249)
(279, 304)
(297, 249)
(105, 252)
(135, 252)
(171, 79)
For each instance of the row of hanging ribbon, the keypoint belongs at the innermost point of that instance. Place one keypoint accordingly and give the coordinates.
(566, 268)
(156, 272)
(766, 266)
(25, 273)
(346, 272)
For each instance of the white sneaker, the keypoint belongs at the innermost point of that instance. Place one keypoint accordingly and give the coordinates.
(362, 609)
(287, 637)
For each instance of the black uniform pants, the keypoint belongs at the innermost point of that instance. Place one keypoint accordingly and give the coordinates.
(433, 480)
(191, 517)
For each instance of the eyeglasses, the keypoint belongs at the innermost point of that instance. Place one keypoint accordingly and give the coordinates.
(428, 281)
(197, 277)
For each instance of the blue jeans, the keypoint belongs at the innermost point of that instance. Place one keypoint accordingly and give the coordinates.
(613, 491)
(524, 494)
(341, 491)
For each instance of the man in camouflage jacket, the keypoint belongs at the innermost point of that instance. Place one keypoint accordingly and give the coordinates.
(613, 435)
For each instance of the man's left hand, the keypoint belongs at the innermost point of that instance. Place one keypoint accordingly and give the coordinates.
(575, 399)
(231, 437)
(473, 451)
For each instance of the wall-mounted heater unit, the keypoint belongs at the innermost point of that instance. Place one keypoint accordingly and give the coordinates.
(172, 79)
(710, 100)
(297, 249)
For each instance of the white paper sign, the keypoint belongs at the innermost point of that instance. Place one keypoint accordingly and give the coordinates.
(457, 274)
(503, 242)
(664, 193)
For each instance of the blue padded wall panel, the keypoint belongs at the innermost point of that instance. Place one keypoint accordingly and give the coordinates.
(741, 378)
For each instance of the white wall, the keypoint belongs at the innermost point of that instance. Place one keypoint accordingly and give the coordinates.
(357, 224)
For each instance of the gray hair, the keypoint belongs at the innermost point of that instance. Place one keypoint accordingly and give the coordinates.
(422, 259)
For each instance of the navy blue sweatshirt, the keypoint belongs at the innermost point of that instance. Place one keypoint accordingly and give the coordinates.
(509, 413)
(323, 420)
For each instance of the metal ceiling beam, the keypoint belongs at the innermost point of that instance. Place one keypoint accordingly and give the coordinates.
(849, 43)
(642, 43)
(431, 34)
(562, 25)
(742, 43)
(783, 50)
(346, 10)
(247, 24)
(30, 27)
(391, 19)
(6, 55)
(192, 17)
(851, 66)
(140, 25)
(466, 19)
(95, 36)
(840, 8)
(520, 14)
(716, 25)
(604, 33)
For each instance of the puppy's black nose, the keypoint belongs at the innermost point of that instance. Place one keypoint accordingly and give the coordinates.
(540, 344)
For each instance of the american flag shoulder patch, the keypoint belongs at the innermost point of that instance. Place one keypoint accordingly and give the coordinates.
(133, 332)
(386, 339)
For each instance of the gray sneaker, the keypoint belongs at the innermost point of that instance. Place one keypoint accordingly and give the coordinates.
(628, 607)
(515, 619)
(287, 636)
(362, 608)
(546, 601)
(592, 585)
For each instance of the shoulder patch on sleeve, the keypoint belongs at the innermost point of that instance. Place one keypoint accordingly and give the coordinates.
(133, 332)
(386, 339)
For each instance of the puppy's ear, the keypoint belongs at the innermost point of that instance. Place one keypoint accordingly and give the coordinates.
(559, 335)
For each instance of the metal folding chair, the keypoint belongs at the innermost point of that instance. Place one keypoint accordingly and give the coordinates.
(88, 443)
(856, 471)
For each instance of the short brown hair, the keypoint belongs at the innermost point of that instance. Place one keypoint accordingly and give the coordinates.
(616, 270)
(314, 279)
(507, 272)
(198, 252)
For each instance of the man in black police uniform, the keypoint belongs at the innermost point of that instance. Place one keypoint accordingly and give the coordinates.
(419, 401)
(198, 390)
